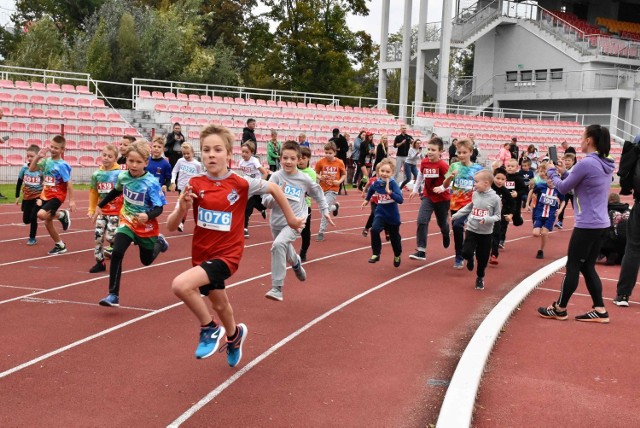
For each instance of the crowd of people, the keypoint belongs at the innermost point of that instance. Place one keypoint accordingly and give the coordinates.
(127, 195)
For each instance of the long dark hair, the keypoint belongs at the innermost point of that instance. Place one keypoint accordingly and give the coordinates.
(601, 138)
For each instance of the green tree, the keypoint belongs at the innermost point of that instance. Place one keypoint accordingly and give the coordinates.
(41, 47)
(99, 55)
(227, 21)
(127, 50)
(69, 16)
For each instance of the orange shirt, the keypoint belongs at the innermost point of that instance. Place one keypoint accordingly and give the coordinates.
(328, 172)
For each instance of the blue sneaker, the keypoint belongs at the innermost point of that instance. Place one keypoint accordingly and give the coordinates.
(234, 348)
(111, 300)
(209, 340)
(459, 263)
(164, 245)
(32, 241)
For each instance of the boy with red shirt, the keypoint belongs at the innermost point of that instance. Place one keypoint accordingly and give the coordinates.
(219, 200)
(431, 174)
(56, 184)
(331, 174)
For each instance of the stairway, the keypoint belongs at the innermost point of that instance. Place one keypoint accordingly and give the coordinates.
(144, 123)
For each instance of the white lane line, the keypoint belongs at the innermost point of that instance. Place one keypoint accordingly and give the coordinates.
(580, 294)
(58, 301)
(253, 363)
(22, 288)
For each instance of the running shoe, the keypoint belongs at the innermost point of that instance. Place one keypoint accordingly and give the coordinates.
(540, 254)
(234, 347)
(396, 261)
(374, 259)
(58, 249)
(446, 240)
(111, 300)
(501, 244)
(181, 227)
(594, 316)
(246, 233)
(493, 260)
(210, 339)
(553, 312)
(418, 255)
(320, 237)
(458, 263)
(98, 267)
(335, 212)
(32, 241)
(275, 294)
(621, 301)
(299, 270)
(303, 257)
(65, 219)
(107, 252)
(559, 225)
(164, 245)
(479, 283)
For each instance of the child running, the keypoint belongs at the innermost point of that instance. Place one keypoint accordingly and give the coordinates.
(431, 175)
(295, 185)
(507, 202)
(104, 181)
(331, 173)
(483, 212)
(250, 167)
(387, 215)
(142, 204)
(158, 166)
(303, 166)
(56, 173)
(30, 183)
(569, 161)
(185, 168)
(548, 200)
(460, 176)
(218, 199)
(515, 184)
(125, 142)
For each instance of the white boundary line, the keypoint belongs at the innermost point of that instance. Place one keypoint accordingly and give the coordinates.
(457, 408)
(213, 394)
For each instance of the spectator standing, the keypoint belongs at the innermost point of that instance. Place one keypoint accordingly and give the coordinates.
(343, 149)
(453, 150)
(173, 144)
(355, 157)
(513, 148)
(273, 152)
(382, 152)
(567, 148)
(402, 143)
(248, 132)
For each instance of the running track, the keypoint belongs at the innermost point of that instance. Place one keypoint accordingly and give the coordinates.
(354, 345)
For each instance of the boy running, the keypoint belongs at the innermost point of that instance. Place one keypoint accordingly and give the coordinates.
(331, 174)
(30, 183)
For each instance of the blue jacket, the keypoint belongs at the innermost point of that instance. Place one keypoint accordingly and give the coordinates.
(387, 204)
(160, 169)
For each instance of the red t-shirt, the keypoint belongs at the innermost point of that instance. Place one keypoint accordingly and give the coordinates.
(218, 212)
(433, 176)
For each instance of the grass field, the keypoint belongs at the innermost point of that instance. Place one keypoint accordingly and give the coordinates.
(9, 190)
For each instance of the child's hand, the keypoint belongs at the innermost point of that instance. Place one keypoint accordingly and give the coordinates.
(298, 224)
(329, 219)
(514, 193)
(142, 218)
(185, 200)
(17, 201)
(172, 188)
(43, 152)
(412, 195)
(164, 189)
(561, 167)
(364, 204)
(72, 205)
(508, 217)
(528, 207)
(93, 217)
(438, 189)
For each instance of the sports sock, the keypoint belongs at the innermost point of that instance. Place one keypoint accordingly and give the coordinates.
(233, 337)
(212, 324)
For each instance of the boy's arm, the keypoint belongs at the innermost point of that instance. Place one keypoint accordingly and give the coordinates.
(93, 201)
(417, 187)
(185, 201)
(529, 198)
(72, 202)
(497, 209)
(267, 200)
(315, 191)
(33, 166)
(277, 193)
(396, 193)
(114, 193)
(463, 211)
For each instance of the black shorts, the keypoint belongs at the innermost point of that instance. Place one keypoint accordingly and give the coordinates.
(51, 206)
(29, 205)
(217, 271)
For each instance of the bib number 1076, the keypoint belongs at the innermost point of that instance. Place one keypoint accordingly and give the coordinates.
(214, 220)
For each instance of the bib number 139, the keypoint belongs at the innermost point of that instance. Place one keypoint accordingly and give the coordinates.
(214, 220)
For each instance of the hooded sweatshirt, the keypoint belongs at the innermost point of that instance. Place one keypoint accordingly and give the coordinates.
(483, 211)
(590, 180)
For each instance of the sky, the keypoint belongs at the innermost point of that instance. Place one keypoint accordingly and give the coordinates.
(370, 24)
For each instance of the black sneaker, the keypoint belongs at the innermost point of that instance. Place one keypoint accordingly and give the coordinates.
(501, 244)
(99, 267)
(374, 259)
(470, 264)
(335, 212)
(540, 254)
(65, 220)
(446, 240)
(58, 249)
(594, 316)
(303, 257)
(621, 301)
(479, 284)
(263, 213)
(553, 312)
(396, 261)
(418, 255)
(107, 252)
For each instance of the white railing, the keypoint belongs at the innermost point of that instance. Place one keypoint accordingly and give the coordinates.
(45, 76)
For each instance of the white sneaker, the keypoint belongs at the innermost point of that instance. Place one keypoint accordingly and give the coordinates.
(275, 294)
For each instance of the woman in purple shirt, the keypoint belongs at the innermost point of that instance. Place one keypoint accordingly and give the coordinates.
(590, 180)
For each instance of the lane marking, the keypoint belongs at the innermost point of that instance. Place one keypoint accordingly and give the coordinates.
(581, 294)
(58, 301)
(22, 288)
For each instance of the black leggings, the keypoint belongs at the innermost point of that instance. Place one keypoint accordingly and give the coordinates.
(369, 223)
(584, 247)
(121, 243)
(567, 198)
(253, 202)
(481, 246)
(30, 215)
(306, 234)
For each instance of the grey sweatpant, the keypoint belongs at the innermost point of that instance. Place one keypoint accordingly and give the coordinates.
(330, 196)
(282, 251)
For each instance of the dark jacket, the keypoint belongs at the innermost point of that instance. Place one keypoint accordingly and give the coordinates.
(169, 145)
(403, 150)
(248, 134)
(508, 204)
(343, 147)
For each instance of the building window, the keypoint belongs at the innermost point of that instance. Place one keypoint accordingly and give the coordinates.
(526, 75)
(512, 76)
(541, 74)
(556, 73)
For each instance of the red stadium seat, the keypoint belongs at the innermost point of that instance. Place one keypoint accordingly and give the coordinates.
(98, 103)
(82, 89)
(38, 86)
(144, 94)
(88, 161)
(53, 114)
(34, 141)
(53, 100)
(83, 102)
(68, 88)
(99, 116)
(52, 128)
(4, 83)
(183, 97)
(205, 98)
(69, 129)
(22, 85)
(86, 145)
(101, 145)
(20, 112)
(16, 143)
(71, 160)
(36, 113)
(170, 96)
(157, 95)
(85, 130)
(194, 97)
(15, 159)
(68, 114)
(71, 145)
(115, 131)
(53, 87)
(100, 130)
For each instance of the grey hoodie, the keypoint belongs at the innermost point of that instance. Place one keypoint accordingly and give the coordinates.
(483, 211)
(294, 186)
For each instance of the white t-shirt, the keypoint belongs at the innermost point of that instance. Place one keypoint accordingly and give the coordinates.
(250, 168)
(185, 170)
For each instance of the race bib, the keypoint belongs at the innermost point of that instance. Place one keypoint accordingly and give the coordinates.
(548, 200)
(105, 187)
(510, 185)
(463, 183)
(479, 213)
(31, 180)
(214, 220)
(431, 173)
(49, 180)
(384, 198)
(188, 169)
(292, 193)
(134, 198)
